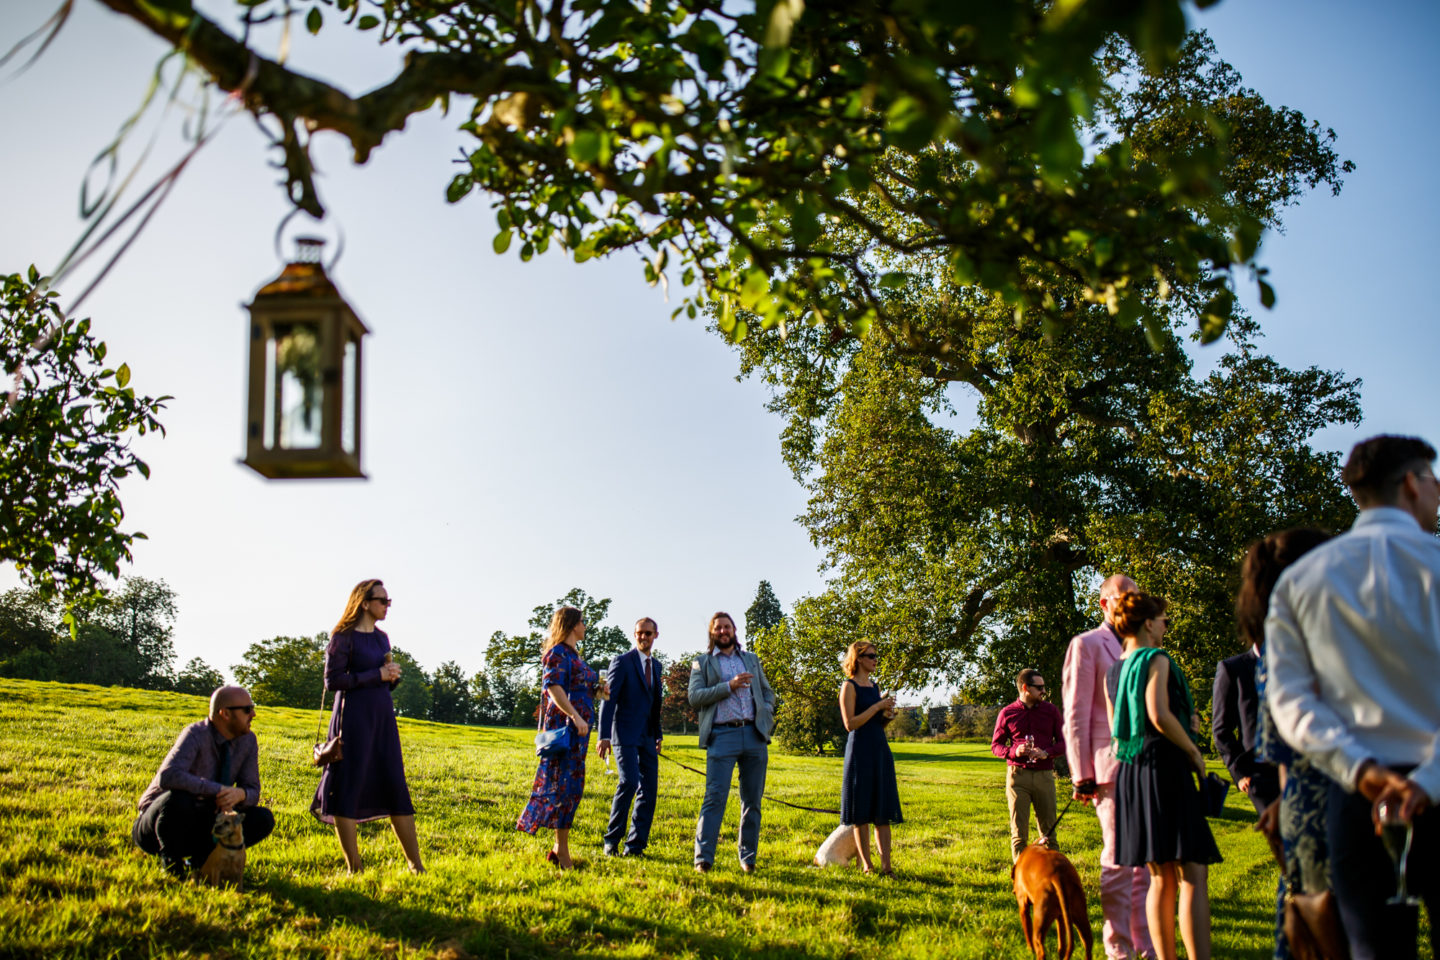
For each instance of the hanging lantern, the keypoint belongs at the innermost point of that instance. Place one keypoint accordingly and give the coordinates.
(304, 404)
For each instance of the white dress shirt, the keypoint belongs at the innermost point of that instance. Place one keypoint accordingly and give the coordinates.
(1352, 644)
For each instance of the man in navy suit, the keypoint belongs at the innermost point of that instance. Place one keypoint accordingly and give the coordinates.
(1236, 713)
(630, 721)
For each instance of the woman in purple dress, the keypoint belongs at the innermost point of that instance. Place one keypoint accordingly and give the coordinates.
(369, 783)
(568, 686)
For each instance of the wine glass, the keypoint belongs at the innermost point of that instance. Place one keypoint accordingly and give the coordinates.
(1397, 835)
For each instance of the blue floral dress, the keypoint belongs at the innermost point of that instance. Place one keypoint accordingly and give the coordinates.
(1302, 812)
(560, 780)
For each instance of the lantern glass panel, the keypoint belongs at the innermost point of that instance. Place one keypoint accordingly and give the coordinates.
(296, 385)
(349, 369)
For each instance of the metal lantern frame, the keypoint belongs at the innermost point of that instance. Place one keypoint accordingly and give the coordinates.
(328, 383)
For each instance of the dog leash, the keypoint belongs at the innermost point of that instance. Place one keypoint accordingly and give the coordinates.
(1050, 834)
(783, 803)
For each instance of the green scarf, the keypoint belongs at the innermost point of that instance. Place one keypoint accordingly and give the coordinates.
(1131, 718)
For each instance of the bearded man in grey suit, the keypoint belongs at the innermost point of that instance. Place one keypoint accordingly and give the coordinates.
(737, 718)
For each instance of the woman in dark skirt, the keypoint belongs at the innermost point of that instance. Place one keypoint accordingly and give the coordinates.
(867, 793)
(1159, 809)
(569, 686)
(369, 783)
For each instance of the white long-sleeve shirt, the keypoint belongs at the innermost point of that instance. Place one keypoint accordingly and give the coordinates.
(1352, 645)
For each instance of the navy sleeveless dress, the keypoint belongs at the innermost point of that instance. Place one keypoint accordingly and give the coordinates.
(1159, 810)
(369, 783)
(868, 793)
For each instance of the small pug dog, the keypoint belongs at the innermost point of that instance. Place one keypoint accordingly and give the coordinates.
(226, 864)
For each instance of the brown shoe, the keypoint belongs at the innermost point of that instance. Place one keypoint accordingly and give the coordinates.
(747, 867)
(702, 867)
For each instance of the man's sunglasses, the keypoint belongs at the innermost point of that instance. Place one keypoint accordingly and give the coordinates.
(245, 707)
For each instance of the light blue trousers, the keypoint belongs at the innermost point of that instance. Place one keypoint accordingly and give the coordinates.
(729, 746)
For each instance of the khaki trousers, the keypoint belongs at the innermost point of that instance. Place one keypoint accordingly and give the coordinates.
(1022, 789)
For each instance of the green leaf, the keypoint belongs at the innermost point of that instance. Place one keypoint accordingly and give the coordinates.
(313, 20)
(585, 147)
(122, 375)
(1267, 295)
(501, 243)
(893, 280)
(368, 22)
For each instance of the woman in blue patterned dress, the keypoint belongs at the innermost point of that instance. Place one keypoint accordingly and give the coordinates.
(1299, 814)
(569, 686)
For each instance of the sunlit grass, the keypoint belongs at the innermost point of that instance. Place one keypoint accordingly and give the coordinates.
(74, 759)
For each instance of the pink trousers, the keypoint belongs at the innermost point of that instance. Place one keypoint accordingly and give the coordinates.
(1122, 890)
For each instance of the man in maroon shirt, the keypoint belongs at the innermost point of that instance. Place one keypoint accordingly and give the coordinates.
(1028, 734)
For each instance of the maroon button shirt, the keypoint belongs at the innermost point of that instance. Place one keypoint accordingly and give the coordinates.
(1042, 721)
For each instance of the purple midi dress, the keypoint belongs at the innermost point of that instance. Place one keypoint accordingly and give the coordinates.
(560, 780)
(369, 783)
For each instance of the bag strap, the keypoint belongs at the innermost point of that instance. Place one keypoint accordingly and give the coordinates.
(338, 703)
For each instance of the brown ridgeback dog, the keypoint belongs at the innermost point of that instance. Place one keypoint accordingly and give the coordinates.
(1047, 885)
(226, 864)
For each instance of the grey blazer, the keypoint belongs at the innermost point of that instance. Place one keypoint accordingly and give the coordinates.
(708, 688)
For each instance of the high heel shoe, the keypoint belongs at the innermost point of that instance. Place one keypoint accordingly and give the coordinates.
(553, 857)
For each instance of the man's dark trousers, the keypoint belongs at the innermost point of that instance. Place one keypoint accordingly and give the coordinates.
(178, 824)
(639, 768)
(1363, 878)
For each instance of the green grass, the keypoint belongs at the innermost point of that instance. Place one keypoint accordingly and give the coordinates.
(74, 759)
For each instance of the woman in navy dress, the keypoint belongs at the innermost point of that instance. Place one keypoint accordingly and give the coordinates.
(369, 783)
(569, 686)
(1159, 809)
(868, 793)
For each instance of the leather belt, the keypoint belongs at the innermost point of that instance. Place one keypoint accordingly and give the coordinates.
(736, 723)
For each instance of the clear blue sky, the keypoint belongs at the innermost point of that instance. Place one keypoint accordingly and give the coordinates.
(534, 427)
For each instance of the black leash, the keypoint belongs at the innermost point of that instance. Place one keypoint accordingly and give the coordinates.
(1050, 834)
(783, 803)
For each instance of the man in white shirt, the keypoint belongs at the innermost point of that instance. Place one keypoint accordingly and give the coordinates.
(1352, 644)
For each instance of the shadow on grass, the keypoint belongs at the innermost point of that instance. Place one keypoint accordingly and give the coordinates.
(422, 929)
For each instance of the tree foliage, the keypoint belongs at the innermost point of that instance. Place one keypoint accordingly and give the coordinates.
(66, 425)
(802, 655)
(676, 714)
(123, 638)
(1093, 447)
(450, 700)
(412, 696)
(284, 671)
(728, 142)
(765, 611)
(199, 678)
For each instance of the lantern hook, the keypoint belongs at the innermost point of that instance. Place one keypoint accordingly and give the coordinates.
(309, 242)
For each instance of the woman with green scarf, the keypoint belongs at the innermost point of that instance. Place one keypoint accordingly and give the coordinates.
(1159, 809)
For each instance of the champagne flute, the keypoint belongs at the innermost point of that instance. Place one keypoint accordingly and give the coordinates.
(1397, 835)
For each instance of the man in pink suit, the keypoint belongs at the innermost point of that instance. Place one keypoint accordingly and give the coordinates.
(1092, 770)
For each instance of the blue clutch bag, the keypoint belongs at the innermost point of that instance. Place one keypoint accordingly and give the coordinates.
(550, 743)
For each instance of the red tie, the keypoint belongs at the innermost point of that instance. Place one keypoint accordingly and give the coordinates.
(645, 669)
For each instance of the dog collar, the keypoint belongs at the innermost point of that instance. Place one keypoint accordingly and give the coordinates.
(238, 846)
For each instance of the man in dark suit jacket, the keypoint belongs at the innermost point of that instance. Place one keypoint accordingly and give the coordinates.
(630, 720)
(1236, 713)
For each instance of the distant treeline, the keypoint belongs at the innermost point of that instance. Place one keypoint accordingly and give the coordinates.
(126, 639)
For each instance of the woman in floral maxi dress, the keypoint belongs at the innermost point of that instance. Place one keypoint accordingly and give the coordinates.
(569, 685)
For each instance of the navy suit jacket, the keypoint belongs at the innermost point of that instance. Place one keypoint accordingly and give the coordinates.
(1235, 707)
(632, 714)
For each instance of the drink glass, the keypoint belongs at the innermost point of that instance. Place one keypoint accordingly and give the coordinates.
(1397, 835)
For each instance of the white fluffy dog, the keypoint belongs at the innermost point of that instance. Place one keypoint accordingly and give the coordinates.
(838, 848)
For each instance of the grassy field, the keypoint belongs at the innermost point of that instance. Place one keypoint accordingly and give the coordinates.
(74, 759)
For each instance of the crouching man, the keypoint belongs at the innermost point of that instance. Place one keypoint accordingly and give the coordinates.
(213, 767)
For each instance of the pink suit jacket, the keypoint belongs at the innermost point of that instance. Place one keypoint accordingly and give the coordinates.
(1087, 726)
